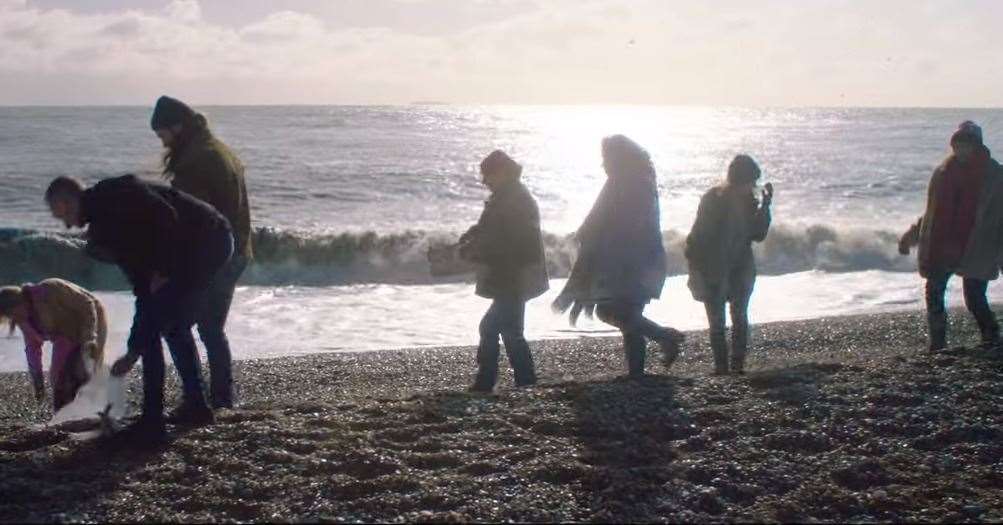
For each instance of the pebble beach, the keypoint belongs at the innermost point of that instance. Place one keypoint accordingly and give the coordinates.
(839, 419)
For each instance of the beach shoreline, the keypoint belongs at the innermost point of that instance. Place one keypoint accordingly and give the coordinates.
(838, 419)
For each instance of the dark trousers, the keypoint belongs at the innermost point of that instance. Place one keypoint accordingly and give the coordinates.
(211, 322)
(636, 329)
(737, 299)
(975, 301)
(505, 318)
(170, 313)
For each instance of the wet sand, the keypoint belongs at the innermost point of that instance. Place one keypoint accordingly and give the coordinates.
(838, 419)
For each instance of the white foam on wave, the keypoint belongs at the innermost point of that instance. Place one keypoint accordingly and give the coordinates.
(282, 321)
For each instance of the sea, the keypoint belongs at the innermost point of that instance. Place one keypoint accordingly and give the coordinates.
(347, 199)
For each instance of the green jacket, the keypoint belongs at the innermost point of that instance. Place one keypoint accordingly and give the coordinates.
(209, 171)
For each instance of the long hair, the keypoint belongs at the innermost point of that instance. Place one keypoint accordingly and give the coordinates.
(192, 129)
(625, 158)
(10, 298)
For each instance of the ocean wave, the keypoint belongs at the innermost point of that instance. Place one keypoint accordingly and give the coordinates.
(295, 258)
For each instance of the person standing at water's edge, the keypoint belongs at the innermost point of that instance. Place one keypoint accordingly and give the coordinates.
(507, 245)
(199, 164)
(621, 263)
(961, 233)
(169, 245)
(722, 268)
(72, 319)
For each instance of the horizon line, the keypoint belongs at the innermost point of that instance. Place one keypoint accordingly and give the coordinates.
(498, 104)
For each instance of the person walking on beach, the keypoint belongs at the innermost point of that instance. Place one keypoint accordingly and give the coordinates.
(69, 317)
(507, 246)
(621, 264)
(722, 268)
(960, 233)
(199, 164)
(169, 245)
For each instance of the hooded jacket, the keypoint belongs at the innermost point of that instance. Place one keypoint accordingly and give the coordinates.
(146, 228)
(983, 250)
(207, 169)
(621, 257)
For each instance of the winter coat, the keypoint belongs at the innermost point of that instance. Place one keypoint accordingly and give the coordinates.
(147, 228)
(621, 257)
(206, 169)
(719, 246)
(507, 245)
(983, 252)
(66, 314)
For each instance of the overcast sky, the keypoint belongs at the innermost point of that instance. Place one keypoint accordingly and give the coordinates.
(706, 52)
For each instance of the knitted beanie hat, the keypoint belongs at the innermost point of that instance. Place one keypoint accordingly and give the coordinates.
(170, 112)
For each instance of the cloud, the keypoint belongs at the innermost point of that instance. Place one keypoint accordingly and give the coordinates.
(769, 52)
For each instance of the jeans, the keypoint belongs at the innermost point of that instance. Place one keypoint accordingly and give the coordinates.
(211, 322)
(505, 318)
(629, 318)
(975, 301)
(170, 312)
(737, 297)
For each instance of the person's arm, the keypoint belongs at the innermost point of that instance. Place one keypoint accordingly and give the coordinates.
(142, 336)
(163, 219)
(224, 189)
(910, 238)
(705, 228)
(762, 217)
(33, 354)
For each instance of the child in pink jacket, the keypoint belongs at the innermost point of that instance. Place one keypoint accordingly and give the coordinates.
(69, 317)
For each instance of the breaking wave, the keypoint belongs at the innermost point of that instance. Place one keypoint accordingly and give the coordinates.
(294, 258)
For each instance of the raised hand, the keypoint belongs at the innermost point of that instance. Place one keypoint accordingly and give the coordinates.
(767, 194)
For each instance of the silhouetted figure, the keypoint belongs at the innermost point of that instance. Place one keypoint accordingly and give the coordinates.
(202, 166)
(722, 268)
(960, 233)
(507, 245)
(621, 263)
(71, 319)
(169, 245)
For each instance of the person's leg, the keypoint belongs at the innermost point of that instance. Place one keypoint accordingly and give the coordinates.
(627, 317)
(174, 308)
(718, 344)
(59, 372)
(211, 323)
(739, 307)
(74, 376)
(519, 355)
(936, 314)
(978, 305)
(488, 349)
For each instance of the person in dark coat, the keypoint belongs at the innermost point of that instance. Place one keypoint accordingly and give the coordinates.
(199, 164)
(960, 234)
(621, 264)
(722, 268)
(507, 246)
(169, 245)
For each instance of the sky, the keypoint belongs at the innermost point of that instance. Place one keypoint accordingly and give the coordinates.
(902, 53)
